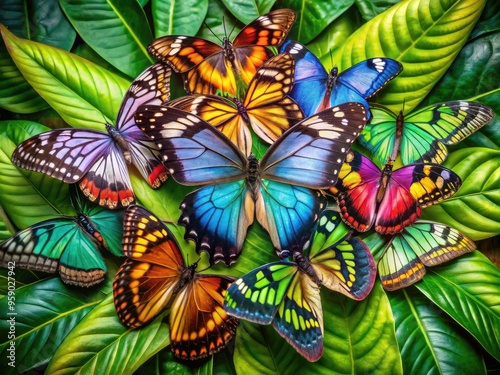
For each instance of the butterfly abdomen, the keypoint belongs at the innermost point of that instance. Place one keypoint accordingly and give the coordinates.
(253, 178)
(305, 266)
(84, 222)
(120, 141)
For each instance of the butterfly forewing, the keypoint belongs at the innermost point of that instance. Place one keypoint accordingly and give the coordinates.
(312, 152)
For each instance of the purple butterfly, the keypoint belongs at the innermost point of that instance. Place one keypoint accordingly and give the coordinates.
(98, 160)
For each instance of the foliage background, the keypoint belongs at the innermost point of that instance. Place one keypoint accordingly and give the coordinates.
(72, 67)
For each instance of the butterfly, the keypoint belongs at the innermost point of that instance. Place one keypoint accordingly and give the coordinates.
(97, 160)
(210, 67)
(390, 200)
(423, 134)
(315, 89)
(69, 245)
(277, 189)
(287, 293)
(424, 244)
(265, 107)
(155, 276)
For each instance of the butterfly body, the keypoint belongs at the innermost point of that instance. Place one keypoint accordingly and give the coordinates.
(389, 200)
(315, 89)
(97, 160)
(280, 190)
(70, 245)
(422, 136)
(210, 67)
(155, 277)
(287, 293)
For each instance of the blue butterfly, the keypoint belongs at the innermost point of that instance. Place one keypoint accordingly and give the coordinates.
(315, 90)
(279, 189)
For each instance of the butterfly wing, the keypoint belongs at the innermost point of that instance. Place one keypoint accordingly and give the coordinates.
(410, 188)
(356, 191)
(193, 151)
(217, 218)
(424, 243)
(59, 244)
(309, 80)
(288, 213)
(199, 325)
(344, 263)
(425, 132)
(146, 281)
(152, 86)
(311, 153)
(183, 53)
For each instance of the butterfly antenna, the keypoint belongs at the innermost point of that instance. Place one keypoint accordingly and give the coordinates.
(210, 29)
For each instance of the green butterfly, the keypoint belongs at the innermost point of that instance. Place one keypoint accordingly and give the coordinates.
(422, 134)
(287, 293)
(68, 244)
(425, 243)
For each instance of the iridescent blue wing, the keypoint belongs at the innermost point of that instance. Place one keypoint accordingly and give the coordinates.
(217, 217)
(423, 244)
(311, 153)
(288, 213)
(194, 152)
(310, 77)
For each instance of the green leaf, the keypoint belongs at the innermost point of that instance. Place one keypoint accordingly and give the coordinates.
(100, 339)
(372, 8)
(178, 18)
(41, 20)
(359, 338)
(80, 91)
(429, 342)
(42, 323)
(314, 16)
(116, 29)
(490, 19)
(425, 36)
(217, 21)
(467, 290)
(246, 11)
(475, 209)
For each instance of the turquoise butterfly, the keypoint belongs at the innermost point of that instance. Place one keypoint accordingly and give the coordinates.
(69, 245)
(423, 134)
(424, 244)
(287, 293)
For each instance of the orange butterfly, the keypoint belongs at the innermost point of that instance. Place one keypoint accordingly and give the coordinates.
(265, 107)
(155, 274)
(211, 67)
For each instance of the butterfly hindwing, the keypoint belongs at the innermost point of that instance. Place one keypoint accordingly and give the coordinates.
(422, 245)
(155, 276)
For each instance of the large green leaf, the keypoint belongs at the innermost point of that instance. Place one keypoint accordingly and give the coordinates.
(475, 209)
(80, 91)
(44, 313)
(116, 29)
(45, 196)
(372, 8)
(248, 10)
(100, 343)
(314, 16)
(178, 18)
(359, 338)
(429, 342)
(218, 16)
(467, 289)
(425, 36)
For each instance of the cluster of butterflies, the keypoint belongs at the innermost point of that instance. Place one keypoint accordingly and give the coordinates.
(242, 95)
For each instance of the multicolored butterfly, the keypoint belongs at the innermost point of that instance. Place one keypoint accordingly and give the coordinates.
(97, 160)
(424, 244)
(287, 293)
(69, 245)
(277, 189)
(390, 200)
(155, 276)
(265, 108)
(315, 89)
(210, 67)
(422, 135)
